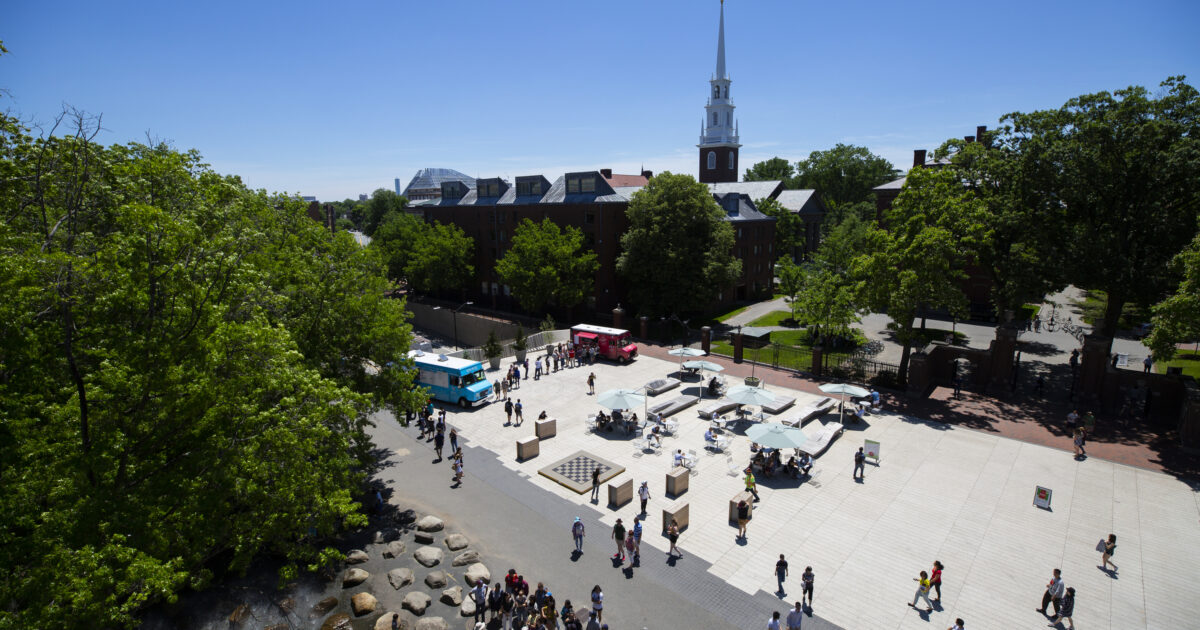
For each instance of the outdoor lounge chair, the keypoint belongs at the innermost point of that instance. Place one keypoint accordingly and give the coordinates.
(810, 411)
(781, 403)
(660, 385)
(714, 408)
(818, 442)
(670, 407)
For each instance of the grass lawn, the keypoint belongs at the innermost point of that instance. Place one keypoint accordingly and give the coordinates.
(774, 318)
(936, 334)
(1189, 360)
(1093, 303)
(725, 316)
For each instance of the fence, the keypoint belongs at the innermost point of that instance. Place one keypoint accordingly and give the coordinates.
(533, 343)
(857, 366)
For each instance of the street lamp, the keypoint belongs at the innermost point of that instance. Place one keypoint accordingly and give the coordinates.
(454, 316)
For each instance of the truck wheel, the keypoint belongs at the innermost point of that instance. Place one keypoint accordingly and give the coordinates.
(622, 360)
(462, 402)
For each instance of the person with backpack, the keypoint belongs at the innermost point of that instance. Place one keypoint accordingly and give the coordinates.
(508, 409)
(577, 531)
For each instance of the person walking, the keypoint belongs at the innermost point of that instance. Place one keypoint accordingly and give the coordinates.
(598, 602)
(644, 494)
(860, 460)
(537, 369)
(637, 540)
(773, 622)
(922, 592)
(1110, 547)
(743, 517)
(795, 617)
(519, 409)
(596, 484)
(1065, 610)
(630, 548)
(807, 579)
(439, 440)
(1147, 363)
(453, 440)
(935, 580)
(959, 624)
(591, 383)
(618, 534)
(1089, 426)
(508, 409)
(751, 485)
(577, 531)
(673, 536)
(457, 466)
(781, 573)
(1053, 594)
(1077, 443)
(504, 388)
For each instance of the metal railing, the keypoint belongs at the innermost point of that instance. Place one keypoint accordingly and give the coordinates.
(533, 343)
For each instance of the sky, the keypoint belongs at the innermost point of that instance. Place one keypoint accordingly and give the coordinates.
(334, 99)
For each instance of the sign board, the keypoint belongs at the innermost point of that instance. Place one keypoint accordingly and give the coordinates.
(1041, 497)
(871, 450)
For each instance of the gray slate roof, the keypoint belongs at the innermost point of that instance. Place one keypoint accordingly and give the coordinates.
(433, 178)
(745, 208)
(801, 201)
(892, 185)
(755, 190)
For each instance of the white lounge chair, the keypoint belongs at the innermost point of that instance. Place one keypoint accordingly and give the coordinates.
(818, 442)
(667, 408)
(660, 385)
(717, 407)
(810, 411)
(780, 403)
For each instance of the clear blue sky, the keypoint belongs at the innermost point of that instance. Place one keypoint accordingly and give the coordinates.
(337, 98)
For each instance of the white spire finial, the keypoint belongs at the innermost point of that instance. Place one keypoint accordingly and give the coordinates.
(721, 45)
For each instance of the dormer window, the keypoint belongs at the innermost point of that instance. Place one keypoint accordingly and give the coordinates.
(572, 185)
(525, 189)
(587, 184)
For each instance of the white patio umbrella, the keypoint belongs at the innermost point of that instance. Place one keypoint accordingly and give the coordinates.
(747, 395)
(707, 366)
(620, 399)
(685, 351)
(843, 389)
(775, 435)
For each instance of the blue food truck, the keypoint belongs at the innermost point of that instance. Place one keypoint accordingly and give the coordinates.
(451, 379)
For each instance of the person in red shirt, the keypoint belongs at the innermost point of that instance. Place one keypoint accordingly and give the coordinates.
(935, 580)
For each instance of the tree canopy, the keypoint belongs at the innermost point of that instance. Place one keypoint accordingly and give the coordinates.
(428, 257)
(678, 252)
(547, 264)
(775, 168)
(789, 227)
(185, 377)
(382, 203)
(1177, 318)
(844, 175)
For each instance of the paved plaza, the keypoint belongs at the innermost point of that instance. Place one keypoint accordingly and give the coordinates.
(941, 492)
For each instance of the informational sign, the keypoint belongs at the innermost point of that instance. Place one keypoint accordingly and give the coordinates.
(1041, 497)
(871, 449)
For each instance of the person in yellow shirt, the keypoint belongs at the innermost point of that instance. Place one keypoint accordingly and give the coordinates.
(922, 592)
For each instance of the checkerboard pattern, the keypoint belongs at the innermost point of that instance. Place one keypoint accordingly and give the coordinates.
(575, 471)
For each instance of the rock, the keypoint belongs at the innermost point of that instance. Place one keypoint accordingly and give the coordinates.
(465, 558)
(340, 621)
(468, 608)
(477, 572)
(428, 556)
(385, 622)
(452, 596)
(430, 523)
(325, 605)
(363, 603)
(437, 579)
(415, 602)
(278, 626)
(454, 542)
(286, 605)
(240, 614)
(394, 549)
(357, 556)
(400, 578)
(432, 623)
(424, 538)
(354, 577)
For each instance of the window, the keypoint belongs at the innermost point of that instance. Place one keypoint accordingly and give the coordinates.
(589, 217)
(716, 91)
(572, 185)
(587, 184)
(529, 188)
(715, 116)
(712, 159)
(501, 236)
(500, 217)
(739, 232)
(731, 166)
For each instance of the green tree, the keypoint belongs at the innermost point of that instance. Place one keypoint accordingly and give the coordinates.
(1177, 318)
(547, 264)
(845, 174)
(397, 237)
(677, 253)
(791, 282)
(381, 203)
(827, 301)
(789, 227)
(441, 259)
(1125, 170)
(842, 244)
(775, 168)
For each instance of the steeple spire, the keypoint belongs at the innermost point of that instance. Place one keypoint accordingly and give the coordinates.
(721, 46)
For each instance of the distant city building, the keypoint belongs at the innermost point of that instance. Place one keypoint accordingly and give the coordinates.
(309, 198)
(397, 184)
(363, 196)
(427, 183)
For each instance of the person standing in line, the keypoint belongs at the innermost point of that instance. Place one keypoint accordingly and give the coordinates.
(1110, 547)
(519, 409)
(922, 592)
(525, 364)
(781, 573)
(598, 601)
(508, 409)
(479, 595)
(637, 540)
(631, 548)
(807, 579)
(935, 580)
(591, 383)
(860, 460)
(439, 440)
(958, 625)
(618, 534)
(453, 440)
(596, 484)
(1053, 594)
(773, 622)
(592, 624)
(795, 617)
(507, 605)
(743, 517)
(644, 494)
(673, 536)
(577, 531)
(1065, 610)
(537, 368)
(751, 485)
(495, 602)
(457, 465)
(504, 388)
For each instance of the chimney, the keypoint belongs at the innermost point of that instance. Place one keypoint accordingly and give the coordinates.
(648, 174)
(979, 133)
(918, 157)
(606, 173)
(969, 138)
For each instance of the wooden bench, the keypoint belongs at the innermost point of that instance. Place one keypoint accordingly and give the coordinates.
(677, 481)
(620, 493)
(679, 512)
(733, 505)
(527, 448)
(547, 428)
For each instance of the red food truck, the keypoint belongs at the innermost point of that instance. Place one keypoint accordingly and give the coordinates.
(611, 343)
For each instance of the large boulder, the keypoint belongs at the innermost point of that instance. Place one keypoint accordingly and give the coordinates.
(239, 614)
(340, 621)
(325, 605)
(416, 602)
(428, 556)
(386, 535)
(454, 542)
(465, 558)
(423, 538)
(354, 577)
(477, 572)
(357, 556)
(394, 549)
(363, 603)
(437, 579)
(399, 578)
(432, 623)
(468, 607)
(430, 523)
(452, 596)
(385, 622)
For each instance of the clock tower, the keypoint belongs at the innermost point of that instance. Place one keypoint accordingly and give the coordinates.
(719, 130)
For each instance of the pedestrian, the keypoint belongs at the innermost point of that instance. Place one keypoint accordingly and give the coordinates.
(773, 622)
(637, 539)
(596, 484)
(1039, 386)
(922, 592)
(1074, 360)
(618, 534)
(673, 536)
(781, 573)
(1037, 325)
(537, 369)
(453, 440)
(860, 460)
(958, 381)
(507, 605)
(577, 531)
(508, 409)
(1072, 419)
(567, 612)
(644, 494)
(795, 617)
(521, 609)
(1089, 426)
(1054, 593)
(807, 578)
(743, 517)
(1110, 547)
(751, 485)
(630, 548)
(1146, 363)
(598, 601)
(1065, 610)
(458, 468)
(519, 410)
(591, 383)
(592, 624)
(1077, 441)
(510, 581)
(525, 364)
(495, 602)
(958, 625)
(395, 621)
(504, 388)
(479, 595)
(935, 580)
(439, 440)
(550, 613)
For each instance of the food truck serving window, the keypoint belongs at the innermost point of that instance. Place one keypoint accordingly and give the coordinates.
(586, 335)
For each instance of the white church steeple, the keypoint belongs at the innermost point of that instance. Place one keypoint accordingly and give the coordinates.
(719, 134)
